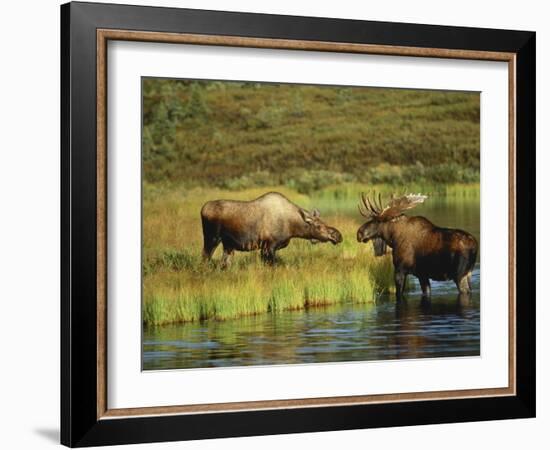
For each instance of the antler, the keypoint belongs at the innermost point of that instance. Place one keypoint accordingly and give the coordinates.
(396, 206)
(399, 204)
(368, 208)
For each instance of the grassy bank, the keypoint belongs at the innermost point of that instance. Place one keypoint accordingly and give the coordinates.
(249, 287)
(179, 287)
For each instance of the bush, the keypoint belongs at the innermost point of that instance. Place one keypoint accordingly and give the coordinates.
(167, 104)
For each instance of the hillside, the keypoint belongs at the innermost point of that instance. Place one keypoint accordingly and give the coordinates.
(236, 135)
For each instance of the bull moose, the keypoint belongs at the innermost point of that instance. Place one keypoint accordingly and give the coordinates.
(419, 247)
(267, 223)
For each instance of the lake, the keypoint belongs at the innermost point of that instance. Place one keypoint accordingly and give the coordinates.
(446, 326)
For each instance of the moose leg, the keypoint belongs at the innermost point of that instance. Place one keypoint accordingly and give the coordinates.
(463, 299)
(400, 279)
(463, 275)
(211, 239)
(463, 285)
(426, 288)
(226, 258)
(268, 255)
(469, 277)
(463, 282)
(210, 245)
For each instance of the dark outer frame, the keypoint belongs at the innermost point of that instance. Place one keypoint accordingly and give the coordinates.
(80, 425)
(106, 35)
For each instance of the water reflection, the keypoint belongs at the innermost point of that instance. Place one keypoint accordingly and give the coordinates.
(448, 325)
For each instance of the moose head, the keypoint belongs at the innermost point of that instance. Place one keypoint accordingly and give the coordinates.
(319, 231)
(378, 216)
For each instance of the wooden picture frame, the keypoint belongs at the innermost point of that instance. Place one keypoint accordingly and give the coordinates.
(86, 418)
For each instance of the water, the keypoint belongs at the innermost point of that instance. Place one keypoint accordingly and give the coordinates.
(446, 326)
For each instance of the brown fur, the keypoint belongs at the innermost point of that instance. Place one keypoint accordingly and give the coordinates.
(424, 250)
(267, 223)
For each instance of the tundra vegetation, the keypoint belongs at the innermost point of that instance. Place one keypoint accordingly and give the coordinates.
(318, 146)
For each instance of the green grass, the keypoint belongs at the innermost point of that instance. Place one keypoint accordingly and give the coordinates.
(253, 288)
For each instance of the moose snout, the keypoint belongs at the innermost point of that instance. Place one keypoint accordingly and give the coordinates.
(359, 235)
(336, 237)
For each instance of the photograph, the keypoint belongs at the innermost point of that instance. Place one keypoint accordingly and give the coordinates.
(306, 224)
(276, 222)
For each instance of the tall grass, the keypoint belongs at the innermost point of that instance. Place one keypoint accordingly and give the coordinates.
(217, 294)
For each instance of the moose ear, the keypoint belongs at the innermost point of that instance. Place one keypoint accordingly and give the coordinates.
(315, 213)
(305, 215)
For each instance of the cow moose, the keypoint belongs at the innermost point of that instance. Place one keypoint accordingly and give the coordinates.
(419, 247)
(267, 223)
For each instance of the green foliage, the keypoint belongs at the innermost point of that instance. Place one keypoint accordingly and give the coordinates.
(167, 104)
(267, 117)
(241, 134)
(307, 182)
(419, 173)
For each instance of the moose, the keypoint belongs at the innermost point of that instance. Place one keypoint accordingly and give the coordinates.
(267, 223)
(419, 247)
